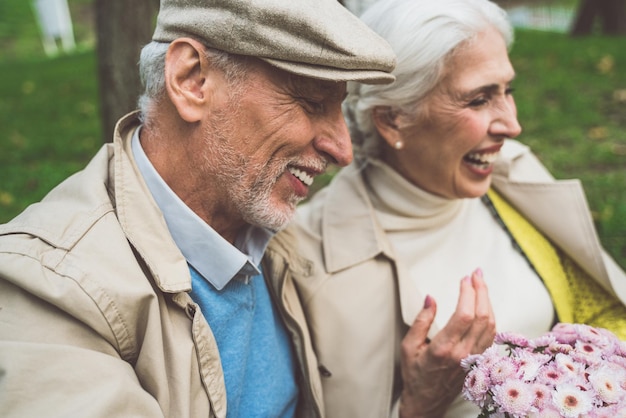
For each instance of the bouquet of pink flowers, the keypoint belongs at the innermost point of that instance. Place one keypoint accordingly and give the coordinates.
(572, 371)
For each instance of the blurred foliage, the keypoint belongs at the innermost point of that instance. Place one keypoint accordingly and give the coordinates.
(570, 92)
(49, 125)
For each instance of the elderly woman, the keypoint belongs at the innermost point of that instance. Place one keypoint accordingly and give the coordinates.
(439, 191)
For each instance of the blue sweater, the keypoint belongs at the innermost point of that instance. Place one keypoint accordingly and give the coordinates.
(255, 351)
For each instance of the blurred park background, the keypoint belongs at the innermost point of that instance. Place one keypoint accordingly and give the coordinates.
(58, 97)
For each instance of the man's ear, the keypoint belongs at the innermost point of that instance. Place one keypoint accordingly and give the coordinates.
(185, 78)
(386, 123)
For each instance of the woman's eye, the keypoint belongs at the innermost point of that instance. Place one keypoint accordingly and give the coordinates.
(509, 91)
(478, 102)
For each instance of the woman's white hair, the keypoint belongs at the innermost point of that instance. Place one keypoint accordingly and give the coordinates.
(423, 34)
(152, 72)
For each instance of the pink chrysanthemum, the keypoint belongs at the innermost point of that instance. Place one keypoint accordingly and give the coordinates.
(471, 361)
(587, 354)
(620, 348)
(514, 397)
(550, 375)
(542, 341)
(609, 342)
(492, 355)
(571, 401)
(476, 386)
(567, 365)
(588, 348)
(607, 383)
(617, 360)
(565, 333)
(597, 336)
(529, 363)
(504, 369)
(573, 371)
(511, 339)
(547, 412)
(542, 396)
(610, 411)
(558, 347)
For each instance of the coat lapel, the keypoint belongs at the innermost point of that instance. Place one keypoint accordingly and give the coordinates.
(559, 209)
(354, 236)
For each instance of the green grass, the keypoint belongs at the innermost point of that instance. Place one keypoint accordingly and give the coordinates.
(571, 96)
(49, 125)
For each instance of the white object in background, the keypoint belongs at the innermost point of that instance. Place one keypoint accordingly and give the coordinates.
(55, 24)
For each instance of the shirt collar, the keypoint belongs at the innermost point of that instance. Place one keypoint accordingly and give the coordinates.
(217, 260)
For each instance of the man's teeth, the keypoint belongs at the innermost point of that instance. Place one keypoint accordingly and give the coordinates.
(302, 176)
(484, 160)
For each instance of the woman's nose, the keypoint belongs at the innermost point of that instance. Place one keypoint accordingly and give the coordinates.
(506, 123)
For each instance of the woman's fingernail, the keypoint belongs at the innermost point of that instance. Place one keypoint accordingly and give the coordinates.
(479, 272)
(428, 302)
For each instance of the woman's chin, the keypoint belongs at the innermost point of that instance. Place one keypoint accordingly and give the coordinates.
(473, 189)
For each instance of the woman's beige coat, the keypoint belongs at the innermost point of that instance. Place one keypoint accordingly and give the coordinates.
(356, 296)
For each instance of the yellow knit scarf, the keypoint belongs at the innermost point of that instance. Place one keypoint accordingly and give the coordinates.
(577, 297)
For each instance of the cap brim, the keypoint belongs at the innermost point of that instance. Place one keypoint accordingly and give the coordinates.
(332, 74)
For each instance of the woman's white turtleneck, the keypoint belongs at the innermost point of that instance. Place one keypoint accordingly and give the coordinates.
(441, 240)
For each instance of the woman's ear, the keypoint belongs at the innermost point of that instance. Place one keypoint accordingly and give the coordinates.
(385, 120)
(185, 78)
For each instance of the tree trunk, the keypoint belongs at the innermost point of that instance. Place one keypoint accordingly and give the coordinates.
(123, 28)
(612, 15)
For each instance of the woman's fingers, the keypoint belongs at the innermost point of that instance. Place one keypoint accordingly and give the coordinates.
(431, 370)
(483, 329)
(417, 335)
(472, 326)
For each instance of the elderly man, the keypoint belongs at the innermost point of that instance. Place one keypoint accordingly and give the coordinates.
(137, 286)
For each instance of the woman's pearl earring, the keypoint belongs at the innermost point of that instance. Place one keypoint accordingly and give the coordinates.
(398, 144)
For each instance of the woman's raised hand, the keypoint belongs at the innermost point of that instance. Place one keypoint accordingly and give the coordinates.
(431, 370)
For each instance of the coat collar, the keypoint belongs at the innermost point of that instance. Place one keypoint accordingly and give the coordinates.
(350, 236)
(140, 216)
(355, 236)
(557, 208)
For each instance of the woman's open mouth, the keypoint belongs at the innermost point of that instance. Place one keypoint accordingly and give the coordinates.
(481, 160)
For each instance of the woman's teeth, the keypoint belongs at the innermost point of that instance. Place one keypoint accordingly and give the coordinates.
(302, 176)
(483, 160)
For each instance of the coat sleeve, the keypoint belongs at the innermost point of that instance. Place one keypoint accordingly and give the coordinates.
(53, 361)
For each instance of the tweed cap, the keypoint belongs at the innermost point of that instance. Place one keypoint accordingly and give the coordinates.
(313, 38)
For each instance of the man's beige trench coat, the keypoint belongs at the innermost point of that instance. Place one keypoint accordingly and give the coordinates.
(358, 298)
(95, 319)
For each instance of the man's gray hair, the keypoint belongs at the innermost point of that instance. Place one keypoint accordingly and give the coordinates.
(424, 34)
(152, 72)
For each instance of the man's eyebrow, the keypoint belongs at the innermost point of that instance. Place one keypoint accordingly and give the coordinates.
(328, 90)
(338, 95)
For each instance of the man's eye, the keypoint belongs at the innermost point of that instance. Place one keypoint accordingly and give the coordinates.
(312, 106)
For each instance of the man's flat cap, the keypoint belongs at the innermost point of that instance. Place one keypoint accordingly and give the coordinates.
(313, 38)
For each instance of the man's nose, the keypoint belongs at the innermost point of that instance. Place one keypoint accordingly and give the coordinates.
(334, 140)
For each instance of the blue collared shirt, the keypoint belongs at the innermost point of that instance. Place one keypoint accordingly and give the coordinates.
(233, 296)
